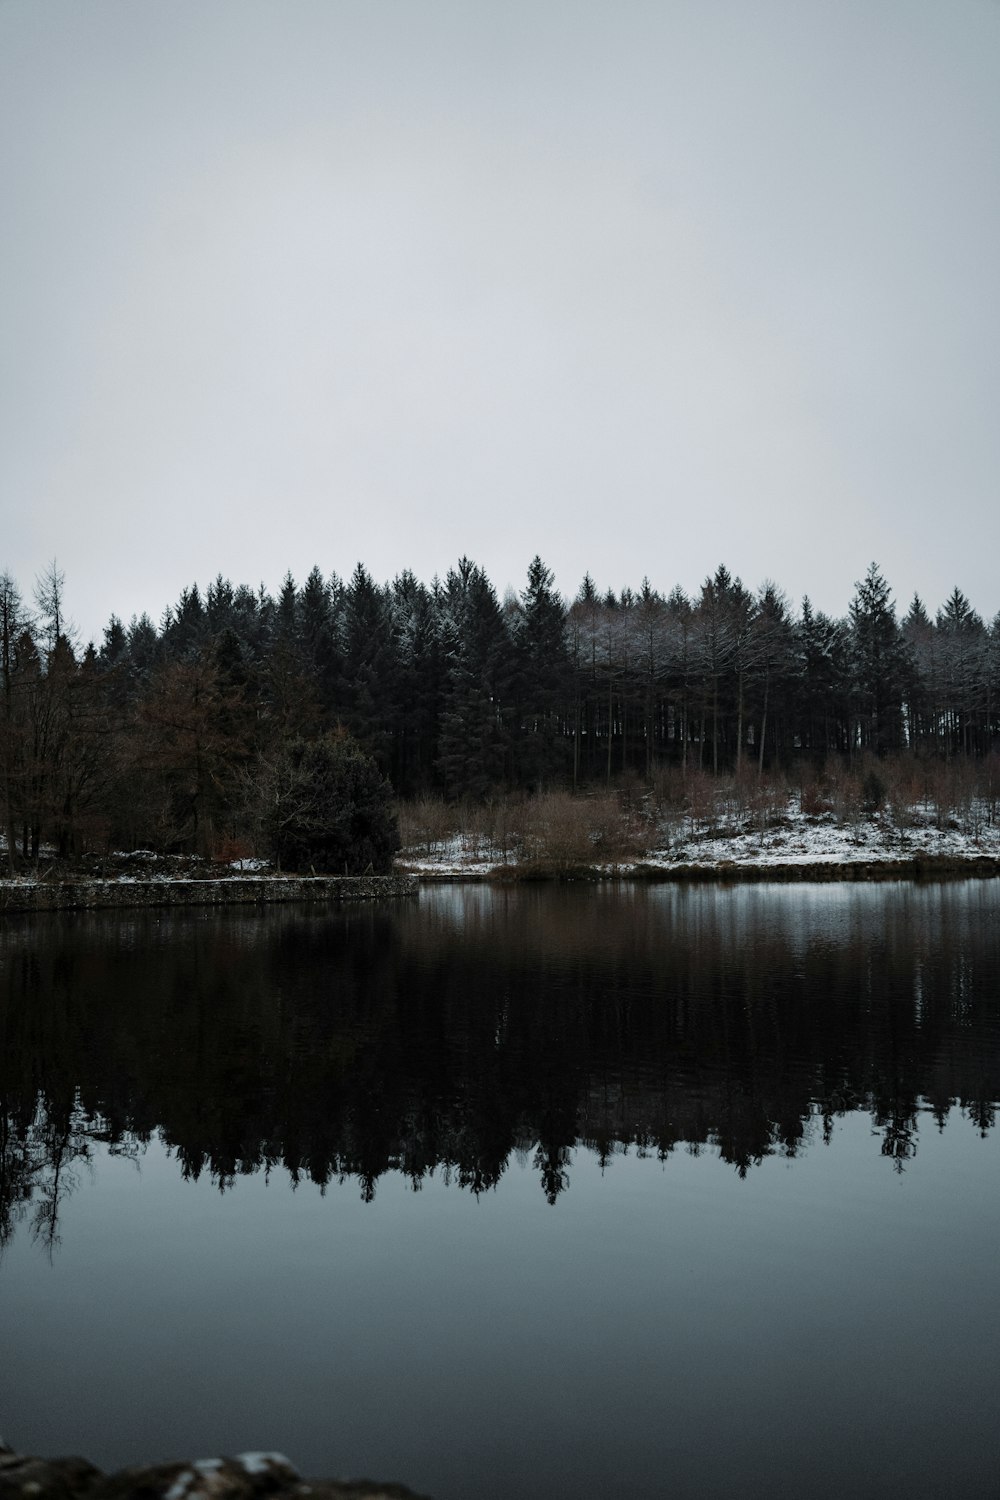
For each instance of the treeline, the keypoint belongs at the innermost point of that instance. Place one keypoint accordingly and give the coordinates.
(162, 735)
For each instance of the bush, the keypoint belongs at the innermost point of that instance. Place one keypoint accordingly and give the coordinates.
(426, 823)
(329, 809)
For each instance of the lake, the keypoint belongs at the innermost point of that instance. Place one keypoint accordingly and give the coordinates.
(524, 1192)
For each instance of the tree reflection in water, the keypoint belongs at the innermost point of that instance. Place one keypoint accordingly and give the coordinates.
(450, 1035)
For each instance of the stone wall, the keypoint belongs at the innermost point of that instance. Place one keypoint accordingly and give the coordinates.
(237, 890)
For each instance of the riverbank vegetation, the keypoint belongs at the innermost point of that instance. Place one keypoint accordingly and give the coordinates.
(548, 728)
(887, 813)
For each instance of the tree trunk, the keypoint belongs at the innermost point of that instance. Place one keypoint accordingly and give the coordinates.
(763, 724)
(739, 727)
(610, 726)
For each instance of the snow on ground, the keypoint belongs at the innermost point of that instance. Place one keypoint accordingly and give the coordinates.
(139, 867)
(794, 839)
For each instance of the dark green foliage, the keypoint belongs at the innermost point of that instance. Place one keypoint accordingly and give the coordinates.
(115, 643)
(821, 683)
(477, 670)
(316, 631)
(417, 616)
(542, 686)
(329, 809)
(879, 662)
(186, 627)
(370, 665)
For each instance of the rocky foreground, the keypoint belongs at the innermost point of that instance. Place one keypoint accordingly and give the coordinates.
(244, 1477)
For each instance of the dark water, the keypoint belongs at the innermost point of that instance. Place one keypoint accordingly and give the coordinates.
(514, 1193)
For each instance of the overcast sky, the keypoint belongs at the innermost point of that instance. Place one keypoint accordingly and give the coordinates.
(642, 287)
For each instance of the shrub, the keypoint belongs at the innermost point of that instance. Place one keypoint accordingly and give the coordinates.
(329, 809)
(872, 790)
(426, 823)
(813, 800)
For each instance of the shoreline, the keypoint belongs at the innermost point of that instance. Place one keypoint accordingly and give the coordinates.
(128, 892)
(789, 846)
(727, 872)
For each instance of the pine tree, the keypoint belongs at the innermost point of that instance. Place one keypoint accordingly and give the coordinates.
(543, 688)
(879, 665)
(476, 662)
(716, 622)
(417, 628)
(770, 658)
(963, 651)
(317, 634)
(821, 682)
(185, 628)
(328, 809)
(370, 666)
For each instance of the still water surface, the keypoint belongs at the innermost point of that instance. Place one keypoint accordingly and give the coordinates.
(524, 1193)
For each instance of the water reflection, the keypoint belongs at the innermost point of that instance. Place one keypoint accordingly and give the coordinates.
(451, 1034)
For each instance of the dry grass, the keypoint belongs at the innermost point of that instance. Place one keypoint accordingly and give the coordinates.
(556, 829)
(426, 823)
(562, 831)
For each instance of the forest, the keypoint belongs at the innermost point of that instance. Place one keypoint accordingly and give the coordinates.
(168, 736)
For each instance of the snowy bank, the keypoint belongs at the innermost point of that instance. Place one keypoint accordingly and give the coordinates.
(794, 845)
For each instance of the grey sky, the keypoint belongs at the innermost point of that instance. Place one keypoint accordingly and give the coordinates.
(640, 287)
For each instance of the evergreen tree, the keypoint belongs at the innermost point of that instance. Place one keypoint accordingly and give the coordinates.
(542, 681)
(144, 648)
(328, 809)
(114, 647)
(370, 666)
(716, 622)
(316, 633)
(963, 643)
(880, 667)
(219, 605)
(770, 656)
(821, 683)
(476, 661)
(584, 626)
(185, 627)
(286, 612)
(651, 643)
(681, 642)
(417, 628)
(923, 684)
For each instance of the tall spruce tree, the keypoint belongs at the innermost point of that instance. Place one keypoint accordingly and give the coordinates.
(417, 629)
(543, 689)
(878, 656)
(476, 662)
(370, 666)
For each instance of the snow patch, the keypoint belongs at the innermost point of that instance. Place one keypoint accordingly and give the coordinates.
(185, 1479)
(795, 838)
(261, 1463)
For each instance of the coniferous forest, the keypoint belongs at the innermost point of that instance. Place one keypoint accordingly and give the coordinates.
(167, 736)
